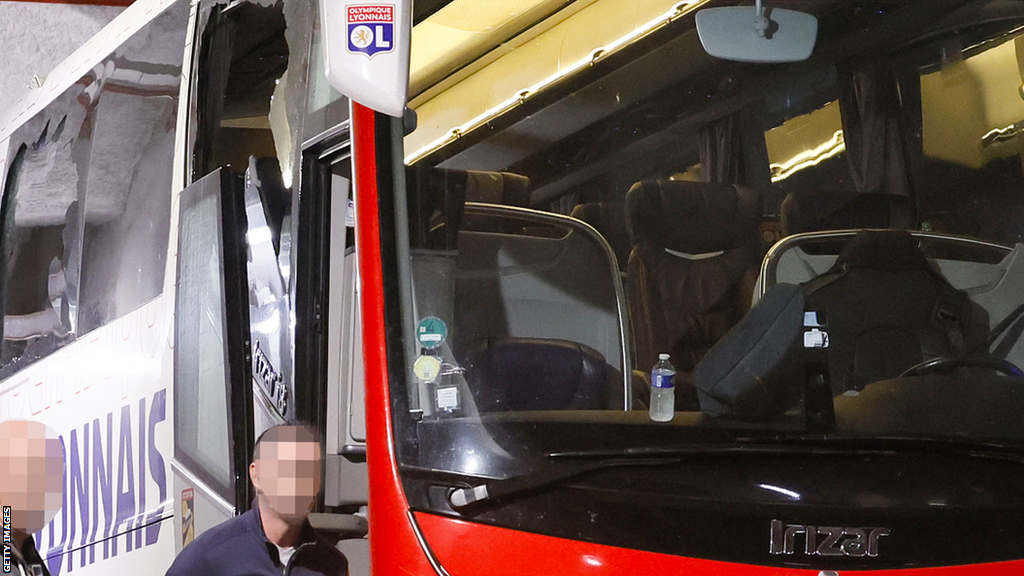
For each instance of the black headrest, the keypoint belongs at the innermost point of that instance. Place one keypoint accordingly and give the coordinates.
(889, 250)
(606, 214)
(535, 374)
(497, 188)
(692, 217)
(812, 211)
(608, 218)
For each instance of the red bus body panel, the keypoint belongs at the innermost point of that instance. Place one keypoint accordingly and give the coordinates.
(394, 548)
(470, 549)
(465, 548)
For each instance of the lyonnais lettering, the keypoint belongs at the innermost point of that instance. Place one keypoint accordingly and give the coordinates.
(825, 540)
(109, 462)
(371, 13)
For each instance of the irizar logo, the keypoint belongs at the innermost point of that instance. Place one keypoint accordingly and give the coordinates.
(826, 540)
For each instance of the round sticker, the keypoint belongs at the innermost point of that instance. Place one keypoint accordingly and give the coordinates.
(431, 332)
(426, 368)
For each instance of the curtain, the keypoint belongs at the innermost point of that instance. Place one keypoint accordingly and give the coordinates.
(869, 103)
(732, 151)
(721, 153)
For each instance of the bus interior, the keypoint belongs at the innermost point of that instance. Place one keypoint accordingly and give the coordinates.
(625, 194)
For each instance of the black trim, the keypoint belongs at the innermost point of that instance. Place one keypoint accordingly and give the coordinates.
(214, 62)
(312, 288)
(720, 508)
(354, 453)
(236, 298)
(389, 161)
(423, 9)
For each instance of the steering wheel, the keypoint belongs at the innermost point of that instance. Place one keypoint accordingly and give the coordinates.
(948, 363)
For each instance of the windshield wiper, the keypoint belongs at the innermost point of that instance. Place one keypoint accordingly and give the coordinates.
(499, 489)
(593, 460)
(737, 446)
(790, 445)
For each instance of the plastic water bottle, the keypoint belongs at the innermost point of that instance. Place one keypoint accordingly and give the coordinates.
(663, 391)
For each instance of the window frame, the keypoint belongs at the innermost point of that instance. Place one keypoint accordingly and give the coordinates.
(235, 317)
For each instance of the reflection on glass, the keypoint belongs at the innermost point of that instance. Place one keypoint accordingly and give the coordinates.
(201, 393)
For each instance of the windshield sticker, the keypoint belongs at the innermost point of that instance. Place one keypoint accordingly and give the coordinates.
(815, 339)
(431, 332)
(350, 214)
(448, 399)
(426, 368)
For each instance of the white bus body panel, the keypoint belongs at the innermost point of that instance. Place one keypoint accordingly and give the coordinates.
(115, 380)
(75, 66)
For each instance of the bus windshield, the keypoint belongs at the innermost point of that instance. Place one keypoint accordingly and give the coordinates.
(827, 247)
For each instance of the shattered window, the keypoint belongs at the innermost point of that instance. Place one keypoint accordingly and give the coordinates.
(128, 203)
(85, 214)
(41, 215)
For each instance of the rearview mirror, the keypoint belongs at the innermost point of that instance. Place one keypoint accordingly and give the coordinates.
(753, 34)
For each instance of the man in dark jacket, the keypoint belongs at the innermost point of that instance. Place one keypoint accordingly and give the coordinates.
(274, 535)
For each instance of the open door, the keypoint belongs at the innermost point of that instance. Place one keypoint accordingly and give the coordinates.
(213, 422)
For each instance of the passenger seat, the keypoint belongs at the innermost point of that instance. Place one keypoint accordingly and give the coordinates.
(512, 374)
(608, 218)
(692, 269)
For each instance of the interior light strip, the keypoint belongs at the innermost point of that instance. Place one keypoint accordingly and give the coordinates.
(677, 11)
(808, 158)
(1000, 134)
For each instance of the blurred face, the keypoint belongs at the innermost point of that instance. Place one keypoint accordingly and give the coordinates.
(287, 473)
(31, 473)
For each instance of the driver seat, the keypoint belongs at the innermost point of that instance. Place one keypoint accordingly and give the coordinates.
(882, 308)
(886, 309)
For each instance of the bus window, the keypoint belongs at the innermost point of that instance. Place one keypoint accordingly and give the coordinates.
(86, 210)
(209, 367)
(245, 60)
(806, 152)
(971, 110)
(127, 213)
(42, 228)
(325, 107)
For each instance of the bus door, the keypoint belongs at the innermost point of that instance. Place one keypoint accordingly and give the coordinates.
(327, 210)
(213, 394)
(287, 140)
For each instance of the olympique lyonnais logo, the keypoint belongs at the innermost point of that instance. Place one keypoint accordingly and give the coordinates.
(371, 29)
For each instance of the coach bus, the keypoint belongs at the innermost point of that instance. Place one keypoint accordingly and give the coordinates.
(202, 237)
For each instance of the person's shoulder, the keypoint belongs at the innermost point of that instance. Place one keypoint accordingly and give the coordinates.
(200, 555)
